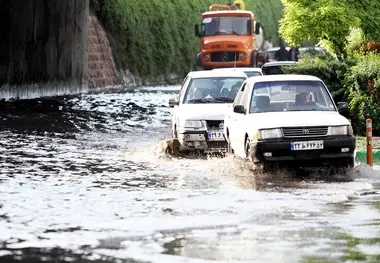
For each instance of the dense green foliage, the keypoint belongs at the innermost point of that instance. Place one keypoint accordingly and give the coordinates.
(363, 88)
(156, 38)
(329, 21)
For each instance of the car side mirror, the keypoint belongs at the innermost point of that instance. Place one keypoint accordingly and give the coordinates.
(239, 109)
(257, 28)
(196, 29)
(173, 102)
(342, 106)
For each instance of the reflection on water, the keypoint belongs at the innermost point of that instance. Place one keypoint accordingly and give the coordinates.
(86, 178)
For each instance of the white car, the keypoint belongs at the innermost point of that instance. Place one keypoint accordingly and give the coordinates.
(298, 125)
(249, 71)
(199, 108)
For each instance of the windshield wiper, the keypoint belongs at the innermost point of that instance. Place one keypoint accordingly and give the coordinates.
(224, 99)
(204, 100)
(227, 33)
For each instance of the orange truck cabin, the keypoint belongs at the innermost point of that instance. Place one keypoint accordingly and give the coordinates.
(227, 38)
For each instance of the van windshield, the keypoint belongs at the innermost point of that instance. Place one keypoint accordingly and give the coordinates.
(290, 95)
(226, 25)
(213, 90)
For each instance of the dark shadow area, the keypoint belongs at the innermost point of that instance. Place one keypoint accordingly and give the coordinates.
(55, 255)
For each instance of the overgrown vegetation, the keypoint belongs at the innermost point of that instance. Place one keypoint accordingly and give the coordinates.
(156, 38)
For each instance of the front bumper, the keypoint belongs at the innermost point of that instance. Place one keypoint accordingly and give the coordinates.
(335, 149)
(199, 140)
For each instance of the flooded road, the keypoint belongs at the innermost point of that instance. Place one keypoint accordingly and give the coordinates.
(87, 180)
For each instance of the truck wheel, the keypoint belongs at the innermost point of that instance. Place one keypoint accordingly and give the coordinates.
(254, 59)
(198, 60)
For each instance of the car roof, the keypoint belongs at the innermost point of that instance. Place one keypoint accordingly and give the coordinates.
(279, 63)
(281, 77)
(221, 12)
(217, 73)
(241, 69)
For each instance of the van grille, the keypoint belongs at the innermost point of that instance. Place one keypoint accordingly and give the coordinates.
(224, 56)
(213, 123)
(296, 132)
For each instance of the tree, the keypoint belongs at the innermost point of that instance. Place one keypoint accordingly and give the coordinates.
(324, 20)
(368, 11)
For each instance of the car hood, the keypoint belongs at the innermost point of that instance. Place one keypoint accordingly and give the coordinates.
(224, 42)
(206, 111)
(296, 119)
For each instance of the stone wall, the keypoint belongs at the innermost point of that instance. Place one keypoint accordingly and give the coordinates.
(101, 65)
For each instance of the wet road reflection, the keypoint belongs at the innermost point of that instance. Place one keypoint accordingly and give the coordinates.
(86, 178)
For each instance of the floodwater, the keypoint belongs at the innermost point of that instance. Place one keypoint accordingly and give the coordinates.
(86, 179)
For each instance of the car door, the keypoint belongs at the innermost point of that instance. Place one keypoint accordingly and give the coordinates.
(233, 116)
(180, 95)
(240, 124)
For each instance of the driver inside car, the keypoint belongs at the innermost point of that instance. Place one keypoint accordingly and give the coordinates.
(303, 98)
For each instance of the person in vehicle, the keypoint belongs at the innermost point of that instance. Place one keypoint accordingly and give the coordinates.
(303, 98)
(282, 54)
(235, 89)
(260, 104)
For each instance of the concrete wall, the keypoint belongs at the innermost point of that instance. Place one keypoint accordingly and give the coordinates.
(43, 47)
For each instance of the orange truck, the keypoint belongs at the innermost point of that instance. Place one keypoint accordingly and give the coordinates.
(228, 37)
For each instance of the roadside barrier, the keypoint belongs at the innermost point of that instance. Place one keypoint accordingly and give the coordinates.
(369, 156)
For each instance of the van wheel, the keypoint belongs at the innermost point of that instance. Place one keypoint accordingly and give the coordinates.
(248, 149)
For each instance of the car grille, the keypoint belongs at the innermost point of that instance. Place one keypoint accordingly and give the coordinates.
(213, 124)
(298, 132)
(224, 56)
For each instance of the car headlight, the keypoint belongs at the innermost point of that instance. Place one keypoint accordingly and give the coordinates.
(270, 133)
(341, 130)
(192, 124)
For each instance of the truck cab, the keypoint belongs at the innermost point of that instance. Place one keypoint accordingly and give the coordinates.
(228, 38)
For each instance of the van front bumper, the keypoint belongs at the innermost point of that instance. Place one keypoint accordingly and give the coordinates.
(336, 149)
(199, 140)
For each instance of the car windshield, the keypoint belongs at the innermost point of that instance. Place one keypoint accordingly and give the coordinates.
(226, 25)
(252, 73)
(294, 95)
(213, 90)
(274, 69)
(271, 55)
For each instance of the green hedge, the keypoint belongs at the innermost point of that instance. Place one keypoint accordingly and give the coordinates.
(155, 38)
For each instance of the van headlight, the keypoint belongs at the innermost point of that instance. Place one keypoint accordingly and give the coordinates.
(192, 124)
(341, 130)
(270, 133)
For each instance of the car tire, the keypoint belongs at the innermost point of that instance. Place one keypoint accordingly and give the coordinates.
(342, 166)
(247, 148)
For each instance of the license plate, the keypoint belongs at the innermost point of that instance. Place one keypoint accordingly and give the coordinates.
(308, 145)
(216, 136)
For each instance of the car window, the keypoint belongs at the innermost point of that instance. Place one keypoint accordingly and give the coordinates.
(253, 73)
(272, 70)
(292, 95)
(213, 89)
(239, 96)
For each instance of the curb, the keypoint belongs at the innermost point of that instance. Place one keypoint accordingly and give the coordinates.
(361, 156)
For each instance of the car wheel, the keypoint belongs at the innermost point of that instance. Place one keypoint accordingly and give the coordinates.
(248, 149)
(343, 166)
(175, 135)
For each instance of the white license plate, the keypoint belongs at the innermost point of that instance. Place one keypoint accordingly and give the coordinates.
(215, 136)
(308, 145)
